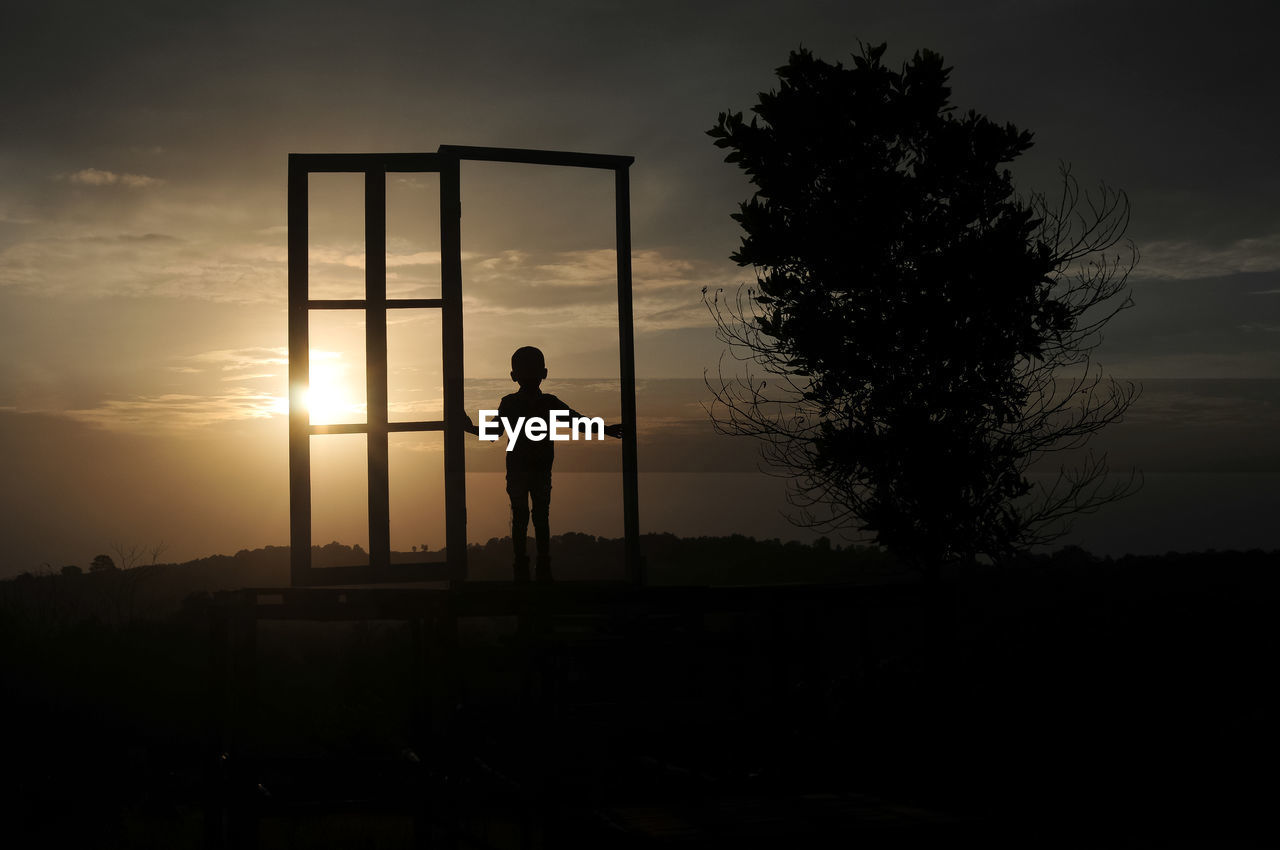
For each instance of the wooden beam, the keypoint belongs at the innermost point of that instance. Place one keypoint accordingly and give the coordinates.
(455, 479)
(535, 157)
(341, 428)
(336, 304)
(299, 378)
(359, 162)
(392, 427)
(627, 369)
(424, 425)
(375, 364)
(415, 303)
(391, 304)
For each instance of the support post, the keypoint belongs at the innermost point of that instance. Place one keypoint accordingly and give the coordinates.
(455, 481)
(375, 354)
(627, 369)
(216, 779)
(299, 379)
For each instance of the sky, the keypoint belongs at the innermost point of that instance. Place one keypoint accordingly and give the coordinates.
(142, 248)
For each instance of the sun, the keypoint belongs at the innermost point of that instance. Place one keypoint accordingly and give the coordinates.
(329, 398)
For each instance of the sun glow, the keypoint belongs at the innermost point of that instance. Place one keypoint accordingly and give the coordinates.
(330, 398)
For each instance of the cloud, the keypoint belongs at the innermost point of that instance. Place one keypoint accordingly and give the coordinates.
(67, 261)
(12, 215)
(337, 270)
(1185, 260)
(239, 359)
(209, 387)
(180, 411)
(417, 258)
(1173, 403)
(215, 255)
(597, 268)
(99, 177)
(221, 385)
(578, 289)
(131, 238)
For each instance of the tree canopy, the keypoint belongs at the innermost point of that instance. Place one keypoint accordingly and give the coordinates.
(914, 319)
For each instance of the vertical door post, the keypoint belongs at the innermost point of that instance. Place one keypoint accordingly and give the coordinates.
(299, 378)
(375, 363)
(627, 370)
(455, 481)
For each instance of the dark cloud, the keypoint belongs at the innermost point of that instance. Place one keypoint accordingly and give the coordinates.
(1168, 103)
(1206, 327)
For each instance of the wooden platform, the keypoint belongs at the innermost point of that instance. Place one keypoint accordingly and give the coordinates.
(498, 599)
(576, 717)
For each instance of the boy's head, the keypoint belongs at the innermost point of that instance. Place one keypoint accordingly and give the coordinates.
(528, 367)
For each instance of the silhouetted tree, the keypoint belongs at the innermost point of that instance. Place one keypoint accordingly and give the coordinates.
(156, 550)
(127, 554)
(918, 335)
(101, 563)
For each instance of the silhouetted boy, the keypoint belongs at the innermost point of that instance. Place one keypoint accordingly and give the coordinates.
(529, 460)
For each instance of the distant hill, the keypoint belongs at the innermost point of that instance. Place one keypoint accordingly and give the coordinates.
(159, 590)
(49, 601)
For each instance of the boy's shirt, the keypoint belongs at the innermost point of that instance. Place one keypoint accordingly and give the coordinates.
(531, 454)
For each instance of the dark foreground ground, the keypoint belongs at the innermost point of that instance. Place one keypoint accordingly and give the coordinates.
(1061, 702)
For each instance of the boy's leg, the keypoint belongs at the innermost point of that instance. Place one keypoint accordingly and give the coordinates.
(520, 522)
(542, 520)
(519, 496)
(540, 495)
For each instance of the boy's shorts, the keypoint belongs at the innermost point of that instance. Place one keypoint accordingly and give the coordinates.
(522, 482)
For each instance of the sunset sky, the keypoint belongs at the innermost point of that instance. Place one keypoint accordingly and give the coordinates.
(143, 158)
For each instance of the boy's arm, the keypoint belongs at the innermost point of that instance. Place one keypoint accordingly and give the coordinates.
(614, 430)
(470, 427)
